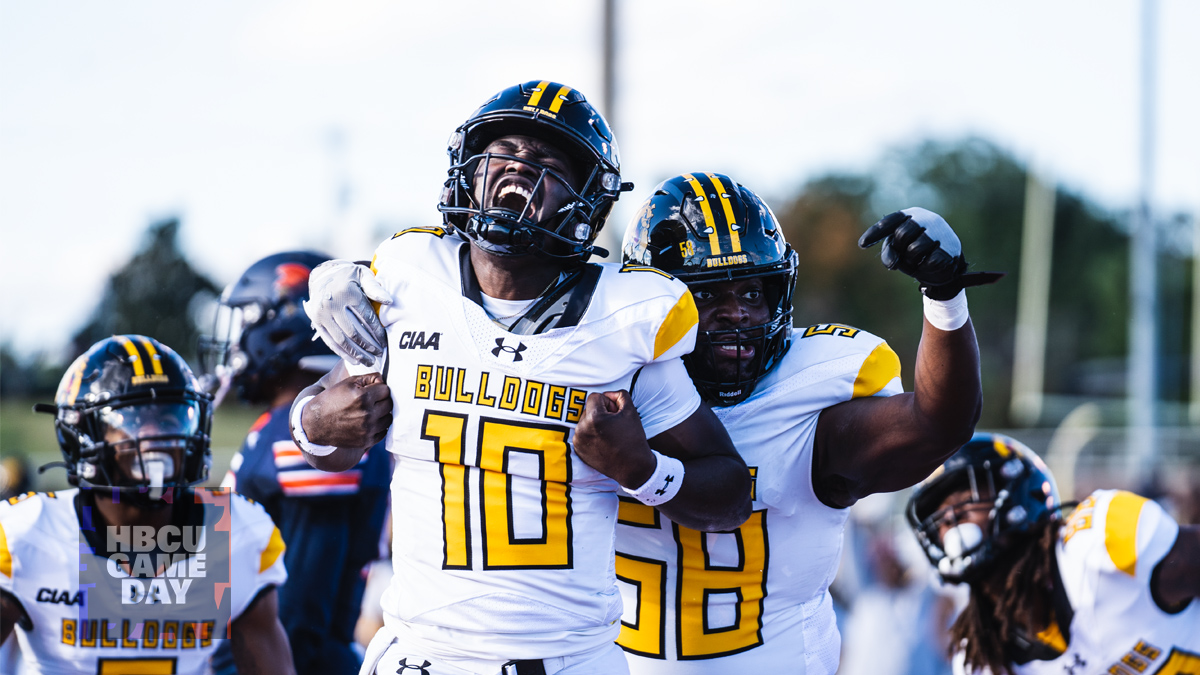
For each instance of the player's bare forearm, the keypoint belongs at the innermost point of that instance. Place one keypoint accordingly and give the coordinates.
(715, 494)
(351, 413)
(260, 645)
(884, 444)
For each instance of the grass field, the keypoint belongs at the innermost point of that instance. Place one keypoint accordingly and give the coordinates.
(24, 432)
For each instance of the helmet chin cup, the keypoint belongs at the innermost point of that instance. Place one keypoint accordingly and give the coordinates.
(499, 236)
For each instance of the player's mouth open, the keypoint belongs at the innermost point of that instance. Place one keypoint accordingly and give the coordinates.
(514, 194)
(730, 350)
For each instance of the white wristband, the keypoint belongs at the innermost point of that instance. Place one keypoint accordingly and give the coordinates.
(663, 484)
(302, 438)
(947, 314)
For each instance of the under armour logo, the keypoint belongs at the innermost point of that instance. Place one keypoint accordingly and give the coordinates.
(1078, 663)
(404, 666)
(515, 351)
(666, 483)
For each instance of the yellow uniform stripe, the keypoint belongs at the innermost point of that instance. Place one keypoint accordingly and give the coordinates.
(1120, 530)
(636, 513)
(681, 319)
(881, 366)
(154, 362)
(734, 239)
(714, 244)
(139, 368)
(272, 552)
(537, 94)
(559, 98)
(375, 271)
(5, 556)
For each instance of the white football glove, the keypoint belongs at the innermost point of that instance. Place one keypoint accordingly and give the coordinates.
(340, 295)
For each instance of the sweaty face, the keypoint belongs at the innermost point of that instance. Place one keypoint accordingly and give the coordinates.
(732, 306)
(513, 184)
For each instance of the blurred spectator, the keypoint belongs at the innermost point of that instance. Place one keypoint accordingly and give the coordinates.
(331, 522)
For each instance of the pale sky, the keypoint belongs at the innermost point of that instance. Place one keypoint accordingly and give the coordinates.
(228, 113)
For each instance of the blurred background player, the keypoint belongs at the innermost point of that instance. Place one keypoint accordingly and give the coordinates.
(331, 522)
(1111, 589)
(818, 415)
(502, 340)
(133, 426)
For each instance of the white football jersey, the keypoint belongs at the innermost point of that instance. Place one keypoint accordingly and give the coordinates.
(502, 536)
(754, 600)
(41, 563)
(1107, 552)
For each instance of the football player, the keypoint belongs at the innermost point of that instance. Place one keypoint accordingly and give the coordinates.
(1111, 589)
(499, 336)
(134, 571)
(330, 522)
(816, 412)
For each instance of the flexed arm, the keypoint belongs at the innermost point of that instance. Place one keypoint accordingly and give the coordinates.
(883, 444)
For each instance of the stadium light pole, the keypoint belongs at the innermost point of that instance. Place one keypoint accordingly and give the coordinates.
(1142, 435)
(609, 62)
(1033, 300)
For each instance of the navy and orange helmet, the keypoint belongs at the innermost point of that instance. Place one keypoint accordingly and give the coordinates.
(130, 414)
(261, 332)
(556, 114)
(705, 227)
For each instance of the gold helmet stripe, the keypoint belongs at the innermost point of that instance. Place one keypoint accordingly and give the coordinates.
(537, 93)
(155, 360)
(714, 241)
(734, 239)
(139, 368)
(559, 98)
(76, 381)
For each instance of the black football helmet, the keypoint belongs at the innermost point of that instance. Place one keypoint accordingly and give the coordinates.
(704, 227)
(131, 415)
(261, 331)
(558, 115)
(1004, 478)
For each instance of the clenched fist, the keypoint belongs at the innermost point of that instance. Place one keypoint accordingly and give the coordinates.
(921, 244)
(354, 413)
(610, 439)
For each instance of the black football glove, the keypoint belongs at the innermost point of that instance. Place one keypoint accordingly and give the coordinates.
(921, 244)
